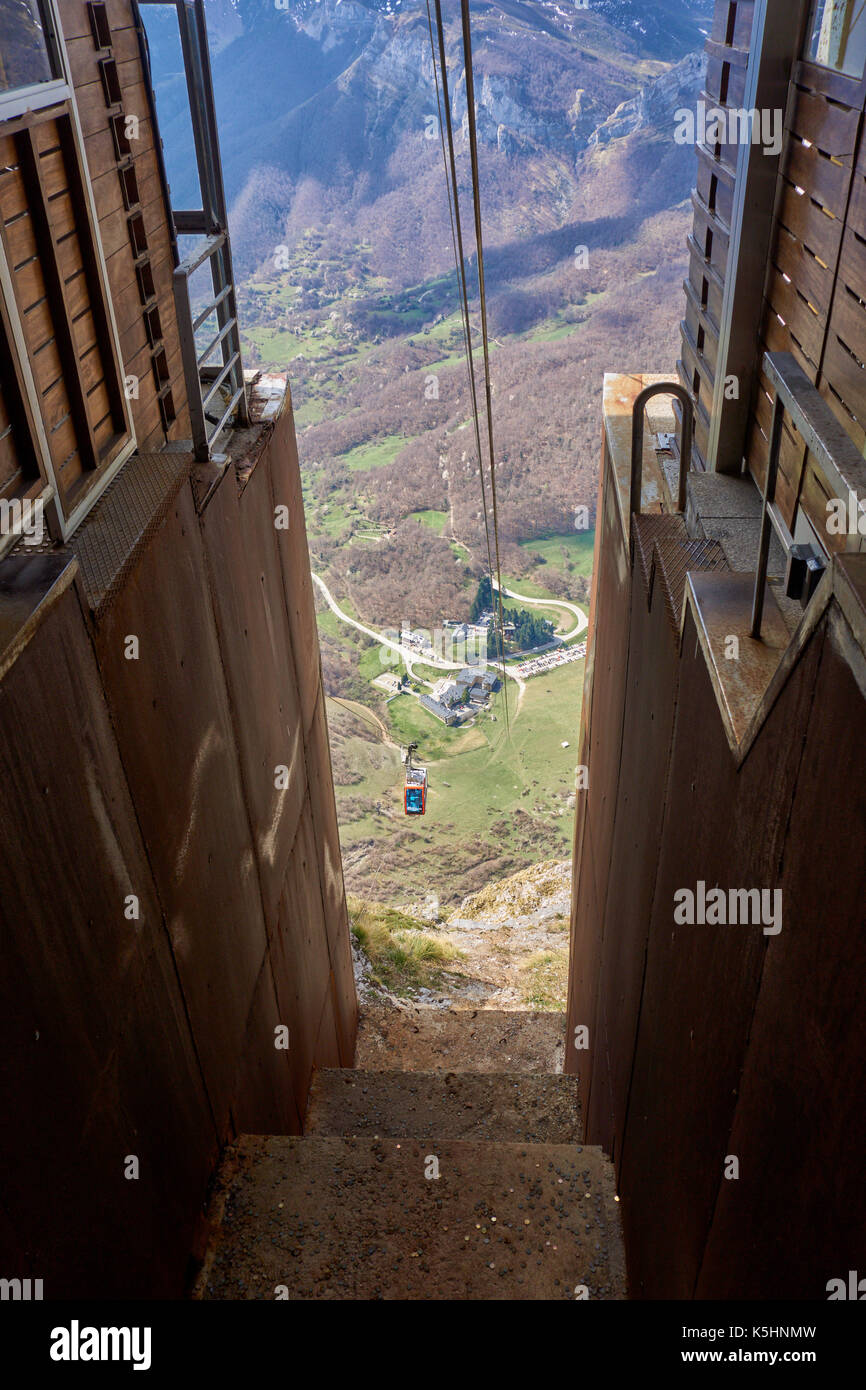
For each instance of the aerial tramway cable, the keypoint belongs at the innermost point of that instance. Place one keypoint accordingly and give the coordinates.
(457, 240)
(476, 199)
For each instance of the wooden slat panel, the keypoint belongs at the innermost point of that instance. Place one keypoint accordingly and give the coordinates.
(778, 337)
(813, 499)
(83, 56)
(698, 279)
(76, 19)
(20, 241)
(843, 414)
(107, 438)
(715, 188)
(63, 329)
(107, 193)
(852, 265)
(134, 337)
(834, 85)
(811, 278)
(98, 402)
(70, 260)
(54, 176)
(10, 464)
(826, 182)
(84, 331)
(703, 223)
(857, 206)
(37, 321)
(100, 151)
(830, 127)
(806, 326)
(848, 320)
(742, 24)
(87, 235)
(63, 441)
(62, 215)
(706, 341)
(91, 367)
(92, 111)
(846, 375)
(791, 452)
(13, 200)
(46, 366)
(806, 220)
(726, 79)
(55, 405)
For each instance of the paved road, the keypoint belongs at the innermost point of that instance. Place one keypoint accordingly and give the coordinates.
(582, 619)
(409, 654)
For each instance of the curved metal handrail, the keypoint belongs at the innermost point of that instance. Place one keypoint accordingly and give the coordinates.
(659, 388)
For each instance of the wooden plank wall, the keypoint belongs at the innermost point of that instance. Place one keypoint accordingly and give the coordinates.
(815, 287)
(46, 231)
(727, 59)
(814, 280)
(133, 216)
(156, 776)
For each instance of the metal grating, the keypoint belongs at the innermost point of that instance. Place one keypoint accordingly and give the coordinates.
(672, 560)
(129, 512)
(651, 527)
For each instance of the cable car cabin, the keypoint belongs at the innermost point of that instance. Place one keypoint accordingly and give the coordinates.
(415, 791)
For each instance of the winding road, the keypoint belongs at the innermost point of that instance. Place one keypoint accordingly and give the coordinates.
(582, 620)
(408, 654)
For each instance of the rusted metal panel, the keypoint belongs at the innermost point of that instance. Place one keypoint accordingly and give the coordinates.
(602, 754)
(325, 822)
(295, 557)
(250, 606)
(93, 1021)
(327, 1043)
(800, 1127)
(726, 828)
(299, 956)
(264, 1099)
(647, 726)
(170, 710)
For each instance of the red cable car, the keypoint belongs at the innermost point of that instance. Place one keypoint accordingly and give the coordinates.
(415, 789)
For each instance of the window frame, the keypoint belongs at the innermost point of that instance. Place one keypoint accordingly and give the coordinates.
(832, 82)
(19, 100)
(13, 105)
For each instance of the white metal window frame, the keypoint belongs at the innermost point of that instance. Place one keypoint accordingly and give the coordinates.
(20, 100)
(17, 103)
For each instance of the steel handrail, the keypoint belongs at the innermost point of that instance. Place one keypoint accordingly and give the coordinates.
(659, 388)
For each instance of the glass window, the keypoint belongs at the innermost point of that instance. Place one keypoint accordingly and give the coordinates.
(25, 52)
(837, 38)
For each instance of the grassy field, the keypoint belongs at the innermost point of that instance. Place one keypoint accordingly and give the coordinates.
(375, 455)
(575, 547)
(503, 792)
(435, 520)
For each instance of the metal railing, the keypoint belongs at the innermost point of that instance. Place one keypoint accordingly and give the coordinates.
(660, 388)
(825, 437)
(216, 392)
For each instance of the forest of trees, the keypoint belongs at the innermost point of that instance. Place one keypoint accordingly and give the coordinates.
(529, 630)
